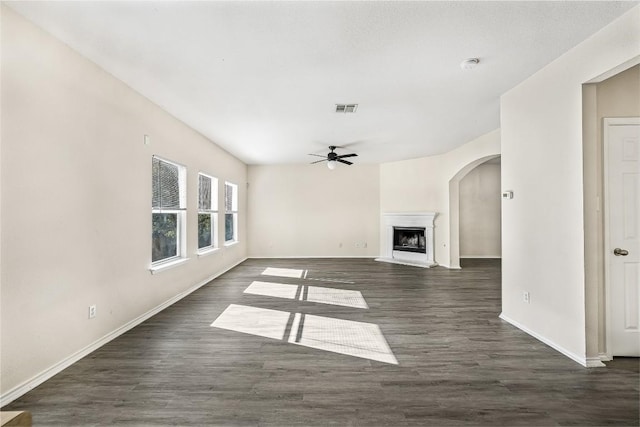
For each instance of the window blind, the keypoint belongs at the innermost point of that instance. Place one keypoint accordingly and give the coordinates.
(204, 193)
(228, 197)
(166, 185)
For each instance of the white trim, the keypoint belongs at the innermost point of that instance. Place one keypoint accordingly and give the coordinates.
(234, 208)
(157, 268)
(594, 362)
(181, 216)
(576, 358)
(173, 162)
(212, 212)
(481, 256)
(605, 357)
(390, 220)
(375, 258)
(605, 237)
(48, 373)
(607, 122)
(207, 251)
(409, 263)
(309, 257)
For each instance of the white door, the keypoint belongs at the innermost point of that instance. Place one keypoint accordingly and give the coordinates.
(622, 190)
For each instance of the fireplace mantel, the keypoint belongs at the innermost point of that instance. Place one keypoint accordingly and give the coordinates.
(407, 219)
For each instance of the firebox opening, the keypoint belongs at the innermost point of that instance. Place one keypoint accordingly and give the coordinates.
(409, 239)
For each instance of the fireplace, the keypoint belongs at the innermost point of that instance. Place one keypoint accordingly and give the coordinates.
(409, 239)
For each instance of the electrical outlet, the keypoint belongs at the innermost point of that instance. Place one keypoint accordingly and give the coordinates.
(357, 245)
(364, 245)
(92, 311)
(526, 297)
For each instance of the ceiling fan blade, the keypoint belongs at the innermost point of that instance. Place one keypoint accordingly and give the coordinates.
(344, 161)
(347, 155)
(318, 161)
(317, 155)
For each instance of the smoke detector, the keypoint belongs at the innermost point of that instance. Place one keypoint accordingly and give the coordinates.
(469, 63)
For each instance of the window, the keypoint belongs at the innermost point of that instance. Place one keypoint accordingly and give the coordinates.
(207, 212)
(230, 213)
(167, 211)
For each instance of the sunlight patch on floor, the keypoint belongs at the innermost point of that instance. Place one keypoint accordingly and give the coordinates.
(268, 289)
(328, 276)
(358, 339)
(283, 272)
(255, 321)
(317, 294)
(332, 296)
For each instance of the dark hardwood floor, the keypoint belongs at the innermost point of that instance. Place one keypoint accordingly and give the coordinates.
(458, 363)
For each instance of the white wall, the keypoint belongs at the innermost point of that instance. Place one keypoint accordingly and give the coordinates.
(302, 210)
(542, 154)
(311, 211)
(480, 206)
(422, 185)
(76, 199)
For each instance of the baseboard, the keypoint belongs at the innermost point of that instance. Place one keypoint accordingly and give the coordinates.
(481, 257)
(311, 257)
(582, 360)
(48, 373)
(449, 267)
(605, 357)
(595, 362)
(335, 256)
(409, 263)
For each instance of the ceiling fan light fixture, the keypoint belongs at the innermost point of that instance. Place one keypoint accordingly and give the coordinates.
(469, 63)
(332, 158)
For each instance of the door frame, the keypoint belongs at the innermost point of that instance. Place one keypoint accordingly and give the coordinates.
(607, 123)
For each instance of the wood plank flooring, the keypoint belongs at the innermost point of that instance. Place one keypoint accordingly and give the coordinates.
(458, 363)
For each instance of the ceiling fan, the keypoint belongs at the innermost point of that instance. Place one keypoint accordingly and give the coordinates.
(332, 158)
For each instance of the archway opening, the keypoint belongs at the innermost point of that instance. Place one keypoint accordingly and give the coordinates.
(455, 207)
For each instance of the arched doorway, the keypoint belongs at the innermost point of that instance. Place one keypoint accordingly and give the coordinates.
(454, 208)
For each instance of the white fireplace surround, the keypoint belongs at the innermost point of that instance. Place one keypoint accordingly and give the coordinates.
(409, 219)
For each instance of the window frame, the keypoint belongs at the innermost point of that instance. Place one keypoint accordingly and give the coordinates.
(181, 218)
(212, 212)
(233, 211)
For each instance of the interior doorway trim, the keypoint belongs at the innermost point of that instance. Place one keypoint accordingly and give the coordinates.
(607, 123)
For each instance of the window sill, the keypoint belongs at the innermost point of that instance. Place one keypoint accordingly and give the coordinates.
(207, 251)
(227, 244)
(154, 269)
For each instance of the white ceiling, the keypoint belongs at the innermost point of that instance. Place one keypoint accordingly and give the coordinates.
(261, 79)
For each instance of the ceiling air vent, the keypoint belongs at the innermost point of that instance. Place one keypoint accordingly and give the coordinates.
(346, 108)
